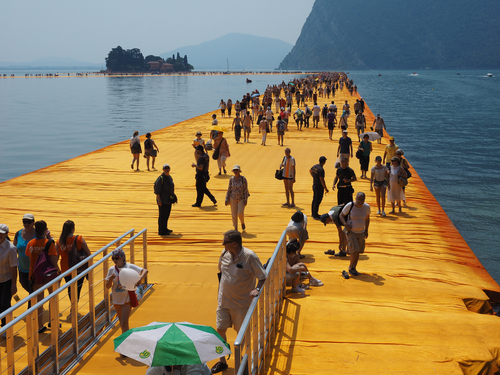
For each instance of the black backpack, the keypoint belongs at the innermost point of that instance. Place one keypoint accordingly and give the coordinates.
(75, 256)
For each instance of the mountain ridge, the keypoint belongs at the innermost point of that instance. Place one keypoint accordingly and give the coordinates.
(390, 34)
(244, 51)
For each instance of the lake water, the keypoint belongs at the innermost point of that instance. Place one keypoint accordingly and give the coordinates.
(444, 122)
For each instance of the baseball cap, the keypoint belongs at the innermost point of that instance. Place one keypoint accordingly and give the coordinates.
(323, 218)
(4, 229)
(166, 166)
(391, 138)
(29, 217)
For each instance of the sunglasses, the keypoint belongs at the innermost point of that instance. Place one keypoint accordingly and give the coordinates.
(26, 221)
(115, 258)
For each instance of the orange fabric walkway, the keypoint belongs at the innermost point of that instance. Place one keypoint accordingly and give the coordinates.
(405, 313)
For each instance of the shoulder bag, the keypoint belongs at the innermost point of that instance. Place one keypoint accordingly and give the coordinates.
(216, 153)
(279, 172)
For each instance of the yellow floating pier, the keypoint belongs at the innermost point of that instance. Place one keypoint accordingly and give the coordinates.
(419, 307)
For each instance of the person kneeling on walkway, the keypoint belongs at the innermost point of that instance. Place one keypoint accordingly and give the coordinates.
(356, 228)
(294, 269)
(297, 229)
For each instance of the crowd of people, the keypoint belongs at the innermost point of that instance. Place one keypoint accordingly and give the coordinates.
(36, 258)
(351, 215)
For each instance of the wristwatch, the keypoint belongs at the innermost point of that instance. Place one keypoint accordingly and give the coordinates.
(258, 289)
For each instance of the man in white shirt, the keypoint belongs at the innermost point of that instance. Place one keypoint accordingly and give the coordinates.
(240, 268)
(332, 107)
(316, 112)
(269, 118)
(356, 222)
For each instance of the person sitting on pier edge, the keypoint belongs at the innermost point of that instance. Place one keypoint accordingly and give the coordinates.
(295, 268)
(239, 268)
(356, 219)
(202, 178)
(345, 176)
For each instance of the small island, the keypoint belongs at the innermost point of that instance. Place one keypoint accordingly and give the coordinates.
(121, 60)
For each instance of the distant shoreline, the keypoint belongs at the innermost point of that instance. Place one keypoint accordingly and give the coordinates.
(195, 73)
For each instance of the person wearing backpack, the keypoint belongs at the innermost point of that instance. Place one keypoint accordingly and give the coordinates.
(299, 118)
(64, 246)
(42, 243)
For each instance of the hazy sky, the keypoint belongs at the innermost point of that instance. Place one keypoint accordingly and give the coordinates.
(87, 30)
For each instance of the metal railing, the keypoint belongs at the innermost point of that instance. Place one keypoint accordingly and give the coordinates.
(261, 321)
(65, 348)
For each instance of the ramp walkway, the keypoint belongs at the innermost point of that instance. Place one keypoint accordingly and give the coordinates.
(421, 305)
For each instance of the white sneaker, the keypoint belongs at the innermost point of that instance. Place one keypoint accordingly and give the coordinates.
(383, 213)
(378, 212)
(316, 282)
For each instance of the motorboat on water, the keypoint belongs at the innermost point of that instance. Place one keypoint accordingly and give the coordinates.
(489, 75)
(249, 80)
(379, 75)
(414, 74)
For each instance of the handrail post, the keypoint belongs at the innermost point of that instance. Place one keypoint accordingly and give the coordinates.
(10, 346)
(237, 358)
(32, 338)
(74, 313)
(132, 249)
(107, 299)
(262, 327)
(92, 300)
(54, 324)
(247, 350)
(145, 253)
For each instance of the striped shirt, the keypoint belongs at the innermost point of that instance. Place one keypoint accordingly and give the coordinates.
(288, 170)
(8, 259)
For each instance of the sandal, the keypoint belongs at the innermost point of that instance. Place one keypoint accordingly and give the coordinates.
(330, 252)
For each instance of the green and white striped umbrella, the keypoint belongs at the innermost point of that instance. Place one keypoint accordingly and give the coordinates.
(170, 344)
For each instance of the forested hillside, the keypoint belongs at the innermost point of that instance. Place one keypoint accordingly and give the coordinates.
(395, 34)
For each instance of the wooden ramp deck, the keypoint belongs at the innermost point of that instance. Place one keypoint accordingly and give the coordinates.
(406, 313)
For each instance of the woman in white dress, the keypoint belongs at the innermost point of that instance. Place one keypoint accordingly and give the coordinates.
(395, 191)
